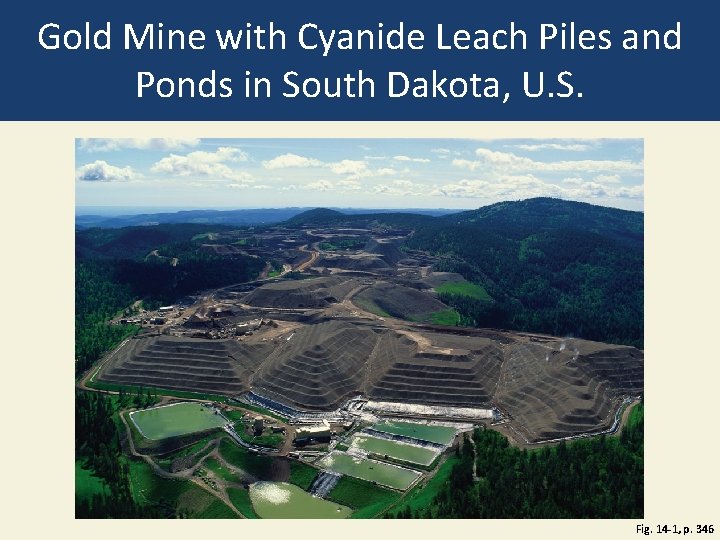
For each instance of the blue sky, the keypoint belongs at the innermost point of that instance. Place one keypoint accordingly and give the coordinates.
(361, 173)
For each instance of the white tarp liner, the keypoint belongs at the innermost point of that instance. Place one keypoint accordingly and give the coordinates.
(411, 409)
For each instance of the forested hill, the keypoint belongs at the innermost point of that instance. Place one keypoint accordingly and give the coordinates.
(159, 264)
(551, 266)
(546, 214)
(135, 242)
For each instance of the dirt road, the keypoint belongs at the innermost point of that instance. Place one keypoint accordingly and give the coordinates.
(187, 474)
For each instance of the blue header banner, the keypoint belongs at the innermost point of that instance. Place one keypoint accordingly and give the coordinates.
(372, 60)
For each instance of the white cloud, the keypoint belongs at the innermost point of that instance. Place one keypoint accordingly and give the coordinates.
(405, 188)
(608, 178)
(440, 150)
(352, 185)
(526, 186)
(463, 188)
(631, 192)
(162, 144)
(553, 146)
(320, 185)
(349, 166)
(352, 169)
(413, 160)
(262, 186)
(102, 171)
(201, 163)
(286, 161)
(508, 162)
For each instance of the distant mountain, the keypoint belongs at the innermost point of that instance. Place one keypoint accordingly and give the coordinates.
(547, 265)
(204, 217)
(135, 242)
(544, 214)
(551, 266)
(240, 217)
(316, 216)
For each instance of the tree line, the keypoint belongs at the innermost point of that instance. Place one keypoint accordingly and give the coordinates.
(599, 477)
(561, 282)
(97, 298)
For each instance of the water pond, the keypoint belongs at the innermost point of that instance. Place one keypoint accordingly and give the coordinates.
(425, 432)
(370, 469)
(177, 419)
(394, 449)
(273, 500)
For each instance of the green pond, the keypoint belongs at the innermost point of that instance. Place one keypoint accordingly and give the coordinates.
(174, 420)
(281, 500)
(370, 470)
(425, 432)
(393, 449)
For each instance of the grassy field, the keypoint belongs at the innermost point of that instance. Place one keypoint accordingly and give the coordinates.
(241, 500)
(370, 307)
(111, 387)
(268, 441)
(274, 440)
(367, 500)
(214, 465)
(422, 495)
(87, 484)
(464, 288)
(179, 497)
(254, 464)
(302, 475)
(166, 461)
(217, 510)
(446, 317)
(234, 415)
(260, 410)
(193, 448)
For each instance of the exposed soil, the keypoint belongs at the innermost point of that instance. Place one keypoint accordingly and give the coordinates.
(337, 336)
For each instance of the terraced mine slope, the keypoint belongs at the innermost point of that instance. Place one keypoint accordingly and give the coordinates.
(201, 365)
(552, 393)
(320, 367)
(406, 371)
(306, 293)
(395, 300)
(547, 387)
(389, 251)
(364, 263)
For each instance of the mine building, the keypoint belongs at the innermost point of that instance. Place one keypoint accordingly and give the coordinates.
(319, 433)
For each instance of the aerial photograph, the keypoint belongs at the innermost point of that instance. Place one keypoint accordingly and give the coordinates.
(359, 328)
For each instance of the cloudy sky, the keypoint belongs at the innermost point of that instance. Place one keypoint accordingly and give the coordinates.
(370, 173)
